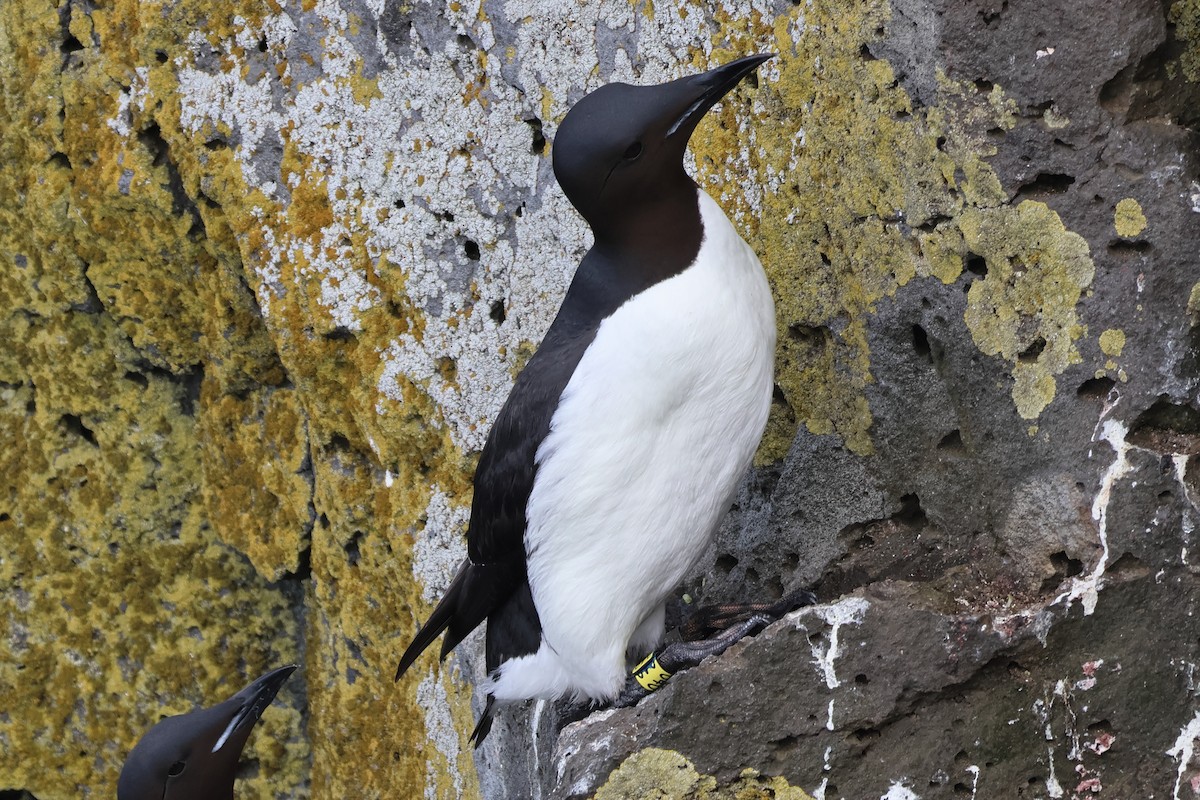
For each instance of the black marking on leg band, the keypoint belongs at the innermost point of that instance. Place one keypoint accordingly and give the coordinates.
(650, 674)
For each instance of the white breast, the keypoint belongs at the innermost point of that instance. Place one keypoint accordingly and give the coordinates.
(652, 434)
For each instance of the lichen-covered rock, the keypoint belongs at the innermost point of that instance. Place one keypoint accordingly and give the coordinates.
(268, 271)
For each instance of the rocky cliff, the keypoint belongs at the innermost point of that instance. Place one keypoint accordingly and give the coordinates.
(268, 267)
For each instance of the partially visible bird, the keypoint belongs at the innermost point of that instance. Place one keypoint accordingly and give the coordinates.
(194, 756)
(622, 442)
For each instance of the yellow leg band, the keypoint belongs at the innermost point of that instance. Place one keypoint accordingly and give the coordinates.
(650, 674)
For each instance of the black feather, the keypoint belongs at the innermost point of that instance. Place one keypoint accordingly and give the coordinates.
(492, 583)
(484, 726)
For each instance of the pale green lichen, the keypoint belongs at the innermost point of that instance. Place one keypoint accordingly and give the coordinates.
(1112, 342)
(1185, 16)
(658, 774)
(863, 196)
(1128, 218)
(1023, 310)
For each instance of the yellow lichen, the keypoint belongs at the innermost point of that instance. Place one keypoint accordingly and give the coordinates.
(1185, 16)
(657, 774)
(864, 197)
(1129, 219)
(123, 592)
(1112, 342)
(1023, 310)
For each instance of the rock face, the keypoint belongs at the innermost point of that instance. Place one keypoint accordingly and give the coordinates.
(268, 270)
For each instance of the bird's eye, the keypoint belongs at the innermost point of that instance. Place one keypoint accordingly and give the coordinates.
(176, 769)
(633, 151)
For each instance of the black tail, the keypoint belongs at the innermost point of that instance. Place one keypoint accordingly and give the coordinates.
(484, 726)
(476, 591)
(439, 620)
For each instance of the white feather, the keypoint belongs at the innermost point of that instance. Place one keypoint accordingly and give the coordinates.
(651, 436)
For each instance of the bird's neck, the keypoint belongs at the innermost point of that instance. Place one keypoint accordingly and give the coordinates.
(656, 238)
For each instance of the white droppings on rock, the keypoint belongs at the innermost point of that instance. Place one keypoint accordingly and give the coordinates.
(848, 611)
(535, 721)
(440, 548)
(1087, 587)
(598, 746)
(974, 770)
(1053, 787)
(1184, 749)
(898, 791)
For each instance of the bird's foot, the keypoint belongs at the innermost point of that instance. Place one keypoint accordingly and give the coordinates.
(678, 656)
(574, 710)
(707, 621)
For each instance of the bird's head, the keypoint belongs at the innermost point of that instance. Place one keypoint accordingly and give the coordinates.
(194, 756)
(620, 149)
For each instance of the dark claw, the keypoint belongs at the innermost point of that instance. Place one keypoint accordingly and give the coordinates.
(631, 694)
(707, 621)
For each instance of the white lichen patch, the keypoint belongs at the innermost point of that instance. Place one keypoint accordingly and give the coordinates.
(132, 98)
(440, 548)
(439, 729)
(446, 134)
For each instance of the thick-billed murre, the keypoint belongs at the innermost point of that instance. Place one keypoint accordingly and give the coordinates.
(194, 756)
(620, 447)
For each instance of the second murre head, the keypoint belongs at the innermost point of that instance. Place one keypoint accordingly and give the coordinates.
(194, 756)
(620, 149)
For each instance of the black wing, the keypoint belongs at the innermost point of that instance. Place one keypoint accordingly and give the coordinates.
(492, 581)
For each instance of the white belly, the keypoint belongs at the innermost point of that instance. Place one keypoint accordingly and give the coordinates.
(652, 434)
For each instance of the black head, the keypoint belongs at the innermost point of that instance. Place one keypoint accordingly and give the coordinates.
(194, 756)
(620, 149)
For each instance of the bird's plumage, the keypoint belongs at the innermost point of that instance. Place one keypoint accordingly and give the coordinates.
(621, 443)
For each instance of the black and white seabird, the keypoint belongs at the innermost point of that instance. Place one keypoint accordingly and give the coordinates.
(619, 449)
(194, 756)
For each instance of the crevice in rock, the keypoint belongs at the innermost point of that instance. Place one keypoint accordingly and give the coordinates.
(816, 338)
(1064, 568)
(921, 343)
(1031, 353)
(952, 443)
(74, 424)
(1124, 250)
(92, 304)
(538, 144)
(496, 312)
(1167, 427)
(181, 203)
(1147, 89)
(1096, 388)
(340, 334)
(352, 549)
(1044, 185)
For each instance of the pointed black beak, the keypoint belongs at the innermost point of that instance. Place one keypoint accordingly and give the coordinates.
(711, 86)
(254, 698)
